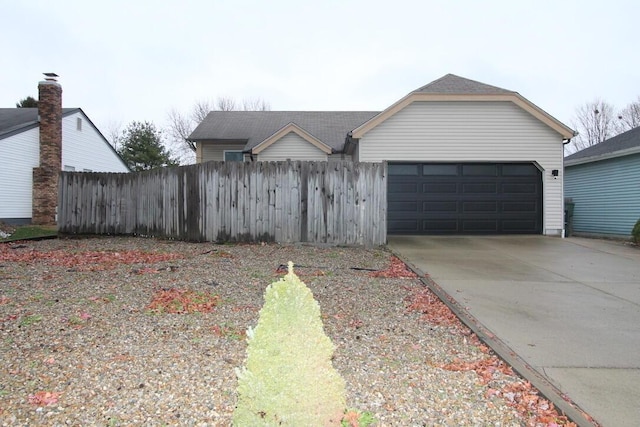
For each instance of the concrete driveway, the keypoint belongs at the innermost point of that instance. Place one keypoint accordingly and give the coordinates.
(568, 308)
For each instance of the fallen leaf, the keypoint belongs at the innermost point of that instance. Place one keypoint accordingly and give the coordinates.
(44, 398)
(397, 269)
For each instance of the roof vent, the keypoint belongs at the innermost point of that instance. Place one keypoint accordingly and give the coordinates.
(51, 77)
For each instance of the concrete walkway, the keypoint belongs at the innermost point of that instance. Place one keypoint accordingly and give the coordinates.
(568, 308)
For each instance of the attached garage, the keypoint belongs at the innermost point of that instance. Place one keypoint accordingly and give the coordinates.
(467, 158)
(463, 157)
(466, 198)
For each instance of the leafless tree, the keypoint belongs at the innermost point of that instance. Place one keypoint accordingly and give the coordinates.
(182, 125)
(255, 104)
(224, 103)
(594, 122)
(114, 133)
(628, 117)
(201, 109)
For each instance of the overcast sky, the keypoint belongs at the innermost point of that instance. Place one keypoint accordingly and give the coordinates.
(135, 60)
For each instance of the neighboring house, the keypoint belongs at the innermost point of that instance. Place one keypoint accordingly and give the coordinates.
(84, 149)
(603, 182)
(463, 157)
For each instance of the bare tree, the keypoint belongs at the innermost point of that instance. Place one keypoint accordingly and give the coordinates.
(255, 104)
(224, 103)
(182, 125)
(201, 109)
(628, 117)
(114, 133)
(594, 123)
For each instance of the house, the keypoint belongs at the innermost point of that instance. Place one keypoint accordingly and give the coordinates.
(35, 144)
(603, 182)
(275, 135)
(463, 157)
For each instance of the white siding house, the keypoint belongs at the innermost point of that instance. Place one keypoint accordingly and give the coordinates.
(18, 157)
(84, 148)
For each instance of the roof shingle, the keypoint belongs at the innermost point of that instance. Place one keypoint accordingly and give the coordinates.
(625, 141)
(13, 120)
(452, 84)
(330, 127)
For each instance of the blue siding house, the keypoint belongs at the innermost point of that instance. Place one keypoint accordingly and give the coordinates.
(604, 182)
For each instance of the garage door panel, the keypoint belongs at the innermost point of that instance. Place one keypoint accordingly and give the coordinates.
(479, 170)
(523, 206)
(482, 207)
(440, 206)
(403, 206)
(440, 187)
(404, 226)
(403, 187)
(464, 198)
(482, 187)
(482, 226)
(519, 188)
(440, 226)
(518, 225)
(403, 169)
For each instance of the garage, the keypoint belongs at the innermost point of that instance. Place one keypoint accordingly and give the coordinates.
(464, 198)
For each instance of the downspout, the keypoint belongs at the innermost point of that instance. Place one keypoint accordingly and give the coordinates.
(565, 220)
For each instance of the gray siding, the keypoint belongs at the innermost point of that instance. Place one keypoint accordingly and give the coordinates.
(606, 195)
(215, 151)
(292, 147)
(472, 131)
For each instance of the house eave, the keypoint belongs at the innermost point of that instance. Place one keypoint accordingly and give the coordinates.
(606, 156)
(291, 127)
(514, 97)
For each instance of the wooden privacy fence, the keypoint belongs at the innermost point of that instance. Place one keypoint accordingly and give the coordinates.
(317, 202)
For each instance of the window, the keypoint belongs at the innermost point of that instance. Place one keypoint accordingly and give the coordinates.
(233, 156)
(87, 170)
(403, 169)
(439, 169)
(68, 168)
(479, 170)
(78, 123)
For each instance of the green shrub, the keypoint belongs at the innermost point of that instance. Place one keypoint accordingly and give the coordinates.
(288, 378)
(635, 233)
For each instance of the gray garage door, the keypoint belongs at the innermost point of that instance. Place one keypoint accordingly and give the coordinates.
(464, 198)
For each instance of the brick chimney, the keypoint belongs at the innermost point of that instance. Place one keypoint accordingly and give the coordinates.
(45, 176)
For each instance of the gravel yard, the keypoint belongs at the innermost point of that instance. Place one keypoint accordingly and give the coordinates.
(85, 340)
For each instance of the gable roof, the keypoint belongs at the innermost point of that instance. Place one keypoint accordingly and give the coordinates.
(255, 127)
(454, 88)
(16, 120)
(451, 84)
(292, 127)
(620, 145)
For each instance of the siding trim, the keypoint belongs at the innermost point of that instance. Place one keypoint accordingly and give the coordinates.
(516, 98)
(291, 127)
